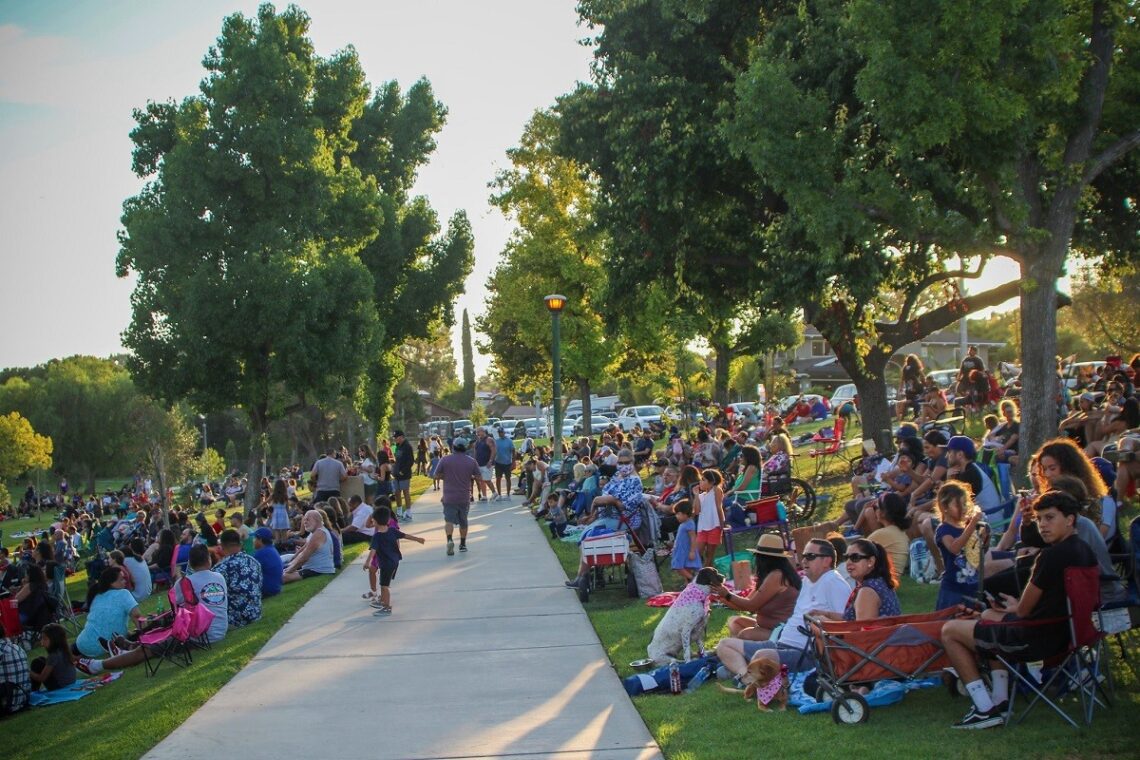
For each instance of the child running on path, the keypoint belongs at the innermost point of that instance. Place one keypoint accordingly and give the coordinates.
(385, 549)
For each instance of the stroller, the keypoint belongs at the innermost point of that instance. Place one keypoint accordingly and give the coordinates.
(860, 652)
(606, 556)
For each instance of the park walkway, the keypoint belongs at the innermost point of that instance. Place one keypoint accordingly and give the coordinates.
(486, 655)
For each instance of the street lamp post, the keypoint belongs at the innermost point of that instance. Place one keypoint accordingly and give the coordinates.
(205, 443)
(556, 303)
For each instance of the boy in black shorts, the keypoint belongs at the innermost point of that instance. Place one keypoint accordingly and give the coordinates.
(1042, 599)
(385, 549)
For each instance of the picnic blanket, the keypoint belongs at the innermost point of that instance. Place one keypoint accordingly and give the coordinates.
(77, 690)
(883, 694)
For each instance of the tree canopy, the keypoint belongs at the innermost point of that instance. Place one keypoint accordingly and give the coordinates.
(279, 258)
(21, 449)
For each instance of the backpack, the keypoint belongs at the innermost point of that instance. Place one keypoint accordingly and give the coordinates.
(922, 567)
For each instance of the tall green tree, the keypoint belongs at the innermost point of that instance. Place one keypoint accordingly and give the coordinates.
(468, 363)
(84, 404)
(679, 206)
(418, 268)
(279, 258)
(1004, 127)
(21, 449)
(556, 248)
(429, 363)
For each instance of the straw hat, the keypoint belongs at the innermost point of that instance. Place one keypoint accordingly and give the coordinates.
(771, 545)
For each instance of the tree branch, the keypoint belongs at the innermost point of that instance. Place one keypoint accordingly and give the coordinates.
(1110, 155)
(933, 279)
(898, 335)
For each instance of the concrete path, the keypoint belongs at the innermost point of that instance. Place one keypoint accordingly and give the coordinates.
(486, 655)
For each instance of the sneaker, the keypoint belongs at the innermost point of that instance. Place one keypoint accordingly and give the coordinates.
(462, 547)
(975, 719)
(574, 583)
(83, 664)
(377, 603)
(450, 547)
(407, 516)
(382, 611)
(482, 498)
(368, 595)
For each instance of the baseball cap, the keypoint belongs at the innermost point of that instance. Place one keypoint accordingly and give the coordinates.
(265, 534)
(398, 434)
(1105, 469)
(963, 444)
(459, 444)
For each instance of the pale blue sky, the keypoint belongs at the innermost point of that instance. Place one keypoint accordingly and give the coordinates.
(72, 70)
(70, 73)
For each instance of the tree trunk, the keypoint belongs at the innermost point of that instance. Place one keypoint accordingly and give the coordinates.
(720, 376)
(873, 406)
(1038, 355)
(587, 408)
(257, 426)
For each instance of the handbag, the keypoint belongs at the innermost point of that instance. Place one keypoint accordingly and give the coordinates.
(191, 619)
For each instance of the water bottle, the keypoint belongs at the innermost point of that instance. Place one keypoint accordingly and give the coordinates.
(674, 678)
(698, 679)
(781, 510)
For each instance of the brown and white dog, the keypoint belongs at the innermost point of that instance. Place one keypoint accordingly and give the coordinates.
(684, 621)
(766, 681)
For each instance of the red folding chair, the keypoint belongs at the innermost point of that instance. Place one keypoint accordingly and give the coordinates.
(1077, 668)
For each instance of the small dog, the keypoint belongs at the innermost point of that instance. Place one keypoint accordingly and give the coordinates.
(766, 681)
(684, 621)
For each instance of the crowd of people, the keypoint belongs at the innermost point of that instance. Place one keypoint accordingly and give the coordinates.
(921, 510)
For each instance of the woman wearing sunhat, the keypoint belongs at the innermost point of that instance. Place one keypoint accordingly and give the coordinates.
(773, 596)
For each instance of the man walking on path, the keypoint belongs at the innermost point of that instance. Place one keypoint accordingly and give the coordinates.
(484, 457)
(456, 470)
(329, 473)
(504, 463)
(402, 474)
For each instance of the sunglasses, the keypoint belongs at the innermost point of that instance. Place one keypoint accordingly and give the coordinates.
(853, 557)
(809, 556)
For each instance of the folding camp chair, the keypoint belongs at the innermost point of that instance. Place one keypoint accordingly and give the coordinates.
(64, 611)
(1078, 668)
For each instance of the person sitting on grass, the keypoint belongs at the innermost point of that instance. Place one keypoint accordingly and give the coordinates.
(775, 590)
(822, 589)
(869, 565)
(210, 590)
(271, 568)
(57, 670)
(1043, 598)
(110, 608)
(242, 574)
(316, 556)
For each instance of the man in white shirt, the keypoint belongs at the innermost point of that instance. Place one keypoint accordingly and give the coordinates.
(823, 589)
(358, 532)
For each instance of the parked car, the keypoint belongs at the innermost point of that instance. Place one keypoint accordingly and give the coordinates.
(947, 380)
(633, 416)
(743, 408)
(462, 427)
(535, 427)
(598, 424)
(843, 394)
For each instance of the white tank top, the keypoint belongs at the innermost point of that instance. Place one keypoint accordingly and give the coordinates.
(708, 518)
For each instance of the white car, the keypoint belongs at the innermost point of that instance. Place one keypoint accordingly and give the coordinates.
(843, 394)
(632, 416)
(598, 424)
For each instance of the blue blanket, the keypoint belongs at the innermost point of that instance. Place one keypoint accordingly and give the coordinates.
(883, 694)
(77, 690)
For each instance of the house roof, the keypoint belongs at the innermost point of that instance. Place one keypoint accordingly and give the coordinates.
(518, 412)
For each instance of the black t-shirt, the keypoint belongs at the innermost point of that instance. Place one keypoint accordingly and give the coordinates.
(971, 363)
(972, 475)
(1049, 574)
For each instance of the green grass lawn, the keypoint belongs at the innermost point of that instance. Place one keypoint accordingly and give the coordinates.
(709, 724)
(128, 717)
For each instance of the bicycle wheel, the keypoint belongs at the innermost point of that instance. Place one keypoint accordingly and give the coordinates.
(801, 502)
